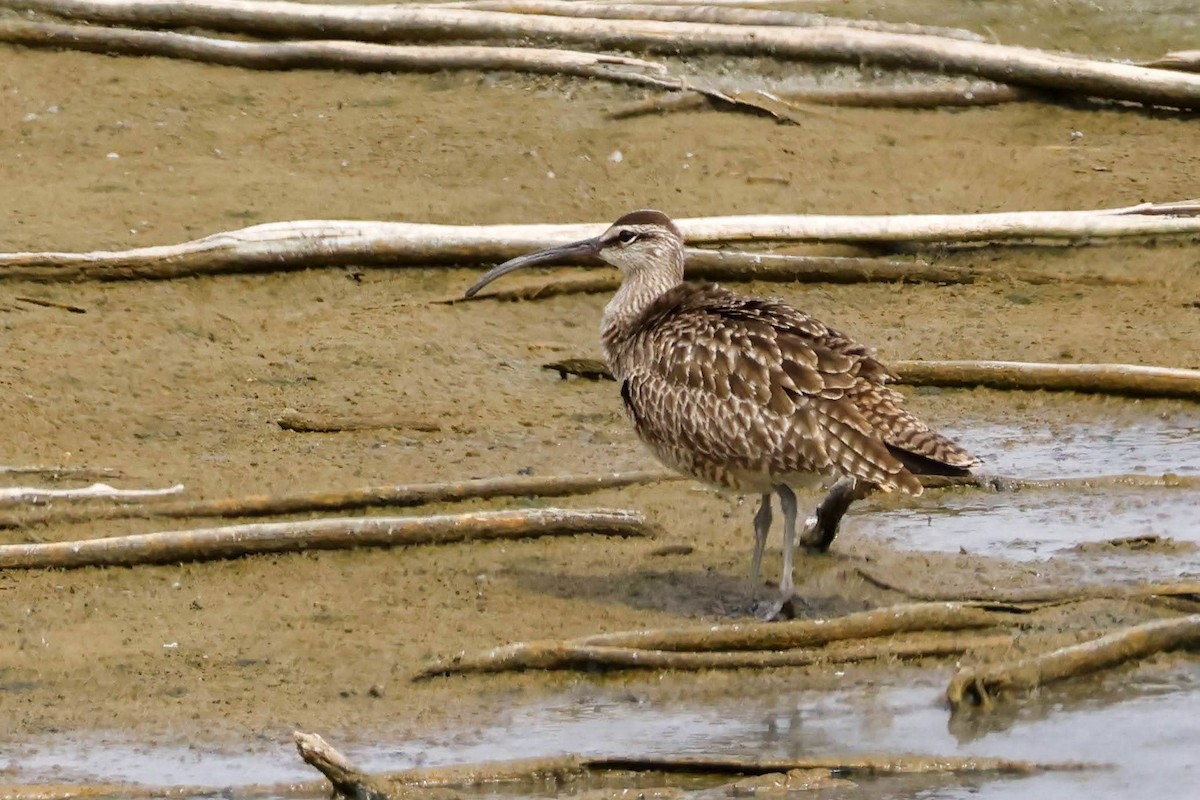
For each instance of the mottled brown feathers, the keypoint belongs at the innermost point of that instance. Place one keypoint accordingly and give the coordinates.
(743, 393)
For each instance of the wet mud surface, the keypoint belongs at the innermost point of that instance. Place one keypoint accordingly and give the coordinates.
(181, 382)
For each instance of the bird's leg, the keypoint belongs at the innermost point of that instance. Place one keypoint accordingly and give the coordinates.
(787, 501)
(823, 526)
(762, 526)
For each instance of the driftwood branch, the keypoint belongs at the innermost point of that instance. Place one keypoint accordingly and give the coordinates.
(712, 639)
(956, 95)
(396, 496)
(1186, 60)
(352, 782)
(322, 534)
(980, 686)
(1120, 379)
(1117, 379)
(702, 12)
(565, 655)
(60, 471)
(736, 266)
(1014, 65)
(341, 55)
(282, 246)
(1038, 596)
(41, 494)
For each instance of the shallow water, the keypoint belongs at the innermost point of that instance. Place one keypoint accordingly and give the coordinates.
(1141, 723)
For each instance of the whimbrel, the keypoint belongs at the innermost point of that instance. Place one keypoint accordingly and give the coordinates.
(749, 394)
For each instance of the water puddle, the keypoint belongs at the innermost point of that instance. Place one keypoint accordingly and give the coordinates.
(1142, 723)
(1035, 524)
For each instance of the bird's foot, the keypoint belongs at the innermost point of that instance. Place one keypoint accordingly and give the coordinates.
(780, 608)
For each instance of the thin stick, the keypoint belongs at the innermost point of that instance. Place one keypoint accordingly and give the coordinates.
(321, 534)
(706, 12)
(980, 686)
(956, 95)
(1014, 65)
(353, 782)
(1116, 379)
(1038, 596)
(292, 420)
(737, 636)
(354, 56)
(1119, 379)
(282, 246)
(40, 494)
(397, 496)
(61, 472)
(37, 301)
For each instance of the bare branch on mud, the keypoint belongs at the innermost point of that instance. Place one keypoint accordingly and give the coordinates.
(1013, 65)
(298, 422)
(320, 534)
(701, 12)
(565, 655)
(355, 784)
(1118, 379)
(1129, 380)
(42, 302)
(57, 472)
(1185, 60)
(41, 494)
(302, 244)
(735, 266)
(712, 639)
(395, 496)
(1038, 597)
(340, 55)
(981, 686)
(955, 95)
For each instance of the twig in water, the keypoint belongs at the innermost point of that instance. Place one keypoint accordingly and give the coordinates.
(320, 534)
(397, 496)
(351, 782)
(980, 686)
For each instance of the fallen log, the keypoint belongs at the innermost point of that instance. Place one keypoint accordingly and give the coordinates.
(1129, 380)
(351, 782)
(759, 636)
(1013, 65)
(981, 686)
(234, 541)
(302, 244)
(396, 496)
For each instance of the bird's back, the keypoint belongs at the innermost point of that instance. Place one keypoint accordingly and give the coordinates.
(748, 393)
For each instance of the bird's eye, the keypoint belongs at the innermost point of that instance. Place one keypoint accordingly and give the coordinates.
(626, 236)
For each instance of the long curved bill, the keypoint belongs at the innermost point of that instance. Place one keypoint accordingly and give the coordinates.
(575, 251)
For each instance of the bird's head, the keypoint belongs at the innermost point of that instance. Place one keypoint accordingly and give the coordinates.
(644, 243)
